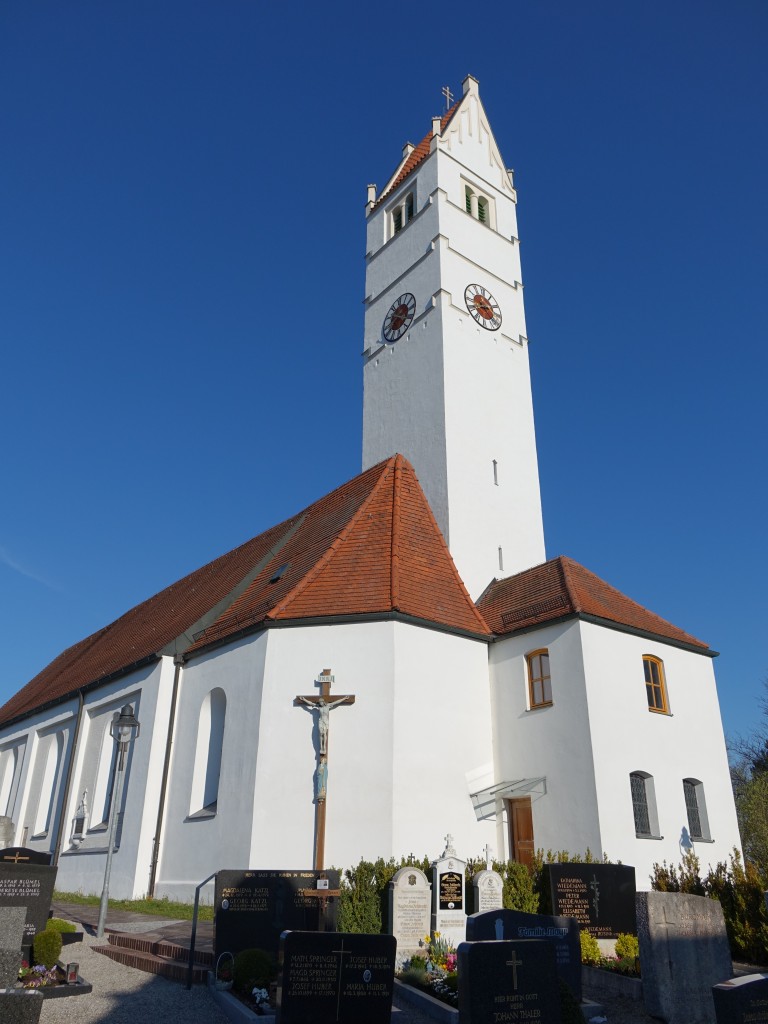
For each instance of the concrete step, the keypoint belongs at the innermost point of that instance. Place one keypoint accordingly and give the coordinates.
(155, 956)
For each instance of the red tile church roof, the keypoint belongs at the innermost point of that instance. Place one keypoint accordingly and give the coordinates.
(419, 153)
(369, 548)
(562, 587)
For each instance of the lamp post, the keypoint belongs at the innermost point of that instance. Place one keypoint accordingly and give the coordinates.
(123, 730)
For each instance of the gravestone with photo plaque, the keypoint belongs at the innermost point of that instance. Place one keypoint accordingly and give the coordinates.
(508, 982)
(449, 916)
(253, 908)
(561, 932)
(600, 896)
(742, 1000)
(335, 979)
(25, 881)
(409, 910)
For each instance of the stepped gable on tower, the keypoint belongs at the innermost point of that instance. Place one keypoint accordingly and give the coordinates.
(419, 153)
(370, 548)
(561, 588)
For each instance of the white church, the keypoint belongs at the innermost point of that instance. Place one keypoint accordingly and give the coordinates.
(502, 697)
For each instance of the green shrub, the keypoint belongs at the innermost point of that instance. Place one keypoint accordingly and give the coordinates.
(590, 950)
(364, 900)
(46, 947)
(254, 968)
(627, 947)
(57, 925)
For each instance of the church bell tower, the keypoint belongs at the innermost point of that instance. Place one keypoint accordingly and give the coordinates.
(446, 375)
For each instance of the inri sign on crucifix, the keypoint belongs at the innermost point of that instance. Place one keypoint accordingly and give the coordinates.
(323, 704)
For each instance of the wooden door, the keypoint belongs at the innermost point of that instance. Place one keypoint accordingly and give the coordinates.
(521, 830)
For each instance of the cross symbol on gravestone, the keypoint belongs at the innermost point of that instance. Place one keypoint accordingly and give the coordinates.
(514, 963)
(16, 858)
(341, 954)
(594, 885)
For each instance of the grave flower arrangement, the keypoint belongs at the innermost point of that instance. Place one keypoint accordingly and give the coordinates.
(435, 971)
(37, 977)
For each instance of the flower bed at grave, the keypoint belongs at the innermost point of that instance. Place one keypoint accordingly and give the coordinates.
(51, 982)
(434, 972)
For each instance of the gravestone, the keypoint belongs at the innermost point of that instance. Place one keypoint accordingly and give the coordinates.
(20, 1006)
(742, 1000)
(684, 952)
(561, 932)
(409, 910)
(509, 982)
(253, 908)
(449, 916)
(11, 936)
(6, 831)
(335, 978)
(24, 883)
(487, 891)
(20, 854)
(600, 896)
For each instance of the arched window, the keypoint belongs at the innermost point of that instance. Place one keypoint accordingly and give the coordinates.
(402, 214)
(102, 792)
(655, 684)
(539, 680)
(210, 743)
(54, 745)
(696, 809)
(477, 205)
(482, 210)
(644, 805)
(9, 759)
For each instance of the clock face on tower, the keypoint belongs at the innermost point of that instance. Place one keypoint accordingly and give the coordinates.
(399, 317)
(483, 307)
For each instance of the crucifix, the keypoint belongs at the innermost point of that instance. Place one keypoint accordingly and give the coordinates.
(448, 97)
(594, 885)
(514, 963)
(488, 860)
(323, 704)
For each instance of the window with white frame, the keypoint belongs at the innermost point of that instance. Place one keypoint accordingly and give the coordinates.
(210, 744)
(401, 214)
(50, 752)
(644, 805)
(696, 810)
(478, 205)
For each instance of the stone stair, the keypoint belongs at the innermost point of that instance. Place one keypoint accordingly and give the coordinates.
(156, 955)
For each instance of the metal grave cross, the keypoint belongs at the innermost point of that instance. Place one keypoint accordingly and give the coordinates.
(514, 963)
(594, 885)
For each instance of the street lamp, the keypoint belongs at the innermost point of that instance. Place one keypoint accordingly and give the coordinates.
(124, 729)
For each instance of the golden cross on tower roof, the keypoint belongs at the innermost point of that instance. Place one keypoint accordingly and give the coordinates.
(448, 97)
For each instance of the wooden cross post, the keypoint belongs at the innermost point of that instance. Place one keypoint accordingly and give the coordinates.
(323, 704)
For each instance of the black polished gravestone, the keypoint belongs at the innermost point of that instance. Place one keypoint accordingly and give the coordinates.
(508, 983)
(343, 978)
(253, 908)
(561, 932)
(742, 1000)
(600, 896)
(25, 882)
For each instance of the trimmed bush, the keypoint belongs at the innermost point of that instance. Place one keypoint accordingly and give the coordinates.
(56, 924)
(590, 950)
(254, 968)
(46, 947)
(627, 947)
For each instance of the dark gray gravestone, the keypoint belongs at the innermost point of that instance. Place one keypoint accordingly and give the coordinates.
(560, 932)
(345, 978)
(683, 952)
(11, 936)
(25, 884)
(742, 1000)
(600, 896)
(20, 1006)
(253, 908)
(508, 983)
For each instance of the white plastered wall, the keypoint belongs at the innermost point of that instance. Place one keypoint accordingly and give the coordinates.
(550, 742)
(686, 743)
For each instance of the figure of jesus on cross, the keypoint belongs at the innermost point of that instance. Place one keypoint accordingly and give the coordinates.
(323, 704)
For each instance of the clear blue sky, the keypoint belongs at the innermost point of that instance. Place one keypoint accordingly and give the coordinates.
(182, 190)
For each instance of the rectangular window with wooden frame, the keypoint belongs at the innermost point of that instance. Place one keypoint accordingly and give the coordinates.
(539, 679)
(655, 684)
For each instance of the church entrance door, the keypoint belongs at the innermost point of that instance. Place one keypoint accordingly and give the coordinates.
(520, 818)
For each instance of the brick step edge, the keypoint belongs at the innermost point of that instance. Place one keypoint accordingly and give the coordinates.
(150, 963)
(170, 950)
